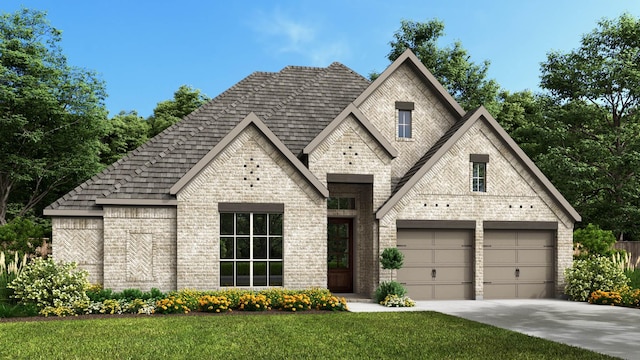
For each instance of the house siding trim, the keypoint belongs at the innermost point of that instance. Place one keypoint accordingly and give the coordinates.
(350, 178)
(435, 224)
(251, 207)
(520, 225)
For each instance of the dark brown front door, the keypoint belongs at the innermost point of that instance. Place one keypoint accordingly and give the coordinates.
(340, 254)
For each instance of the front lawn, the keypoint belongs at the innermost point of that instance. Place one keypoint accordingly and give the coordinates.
(397, 335)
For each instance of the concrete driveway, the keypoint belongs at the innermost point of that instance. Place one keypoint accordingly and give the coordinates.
(605, 329)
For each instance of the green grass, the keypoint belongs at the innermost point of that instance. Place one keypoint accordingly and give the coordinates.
(395, 335)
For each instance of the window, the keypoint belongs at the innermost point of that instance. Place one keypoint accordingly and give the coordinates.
(250, 249)
(404, 119)
(479, 177)
(341, 203)
(404, 124)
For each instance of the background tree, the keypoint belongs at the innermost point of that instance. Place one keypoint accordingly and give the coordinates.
(592, 128)
(51, 115)
(168, 112)
(466, 81)
(125, 132)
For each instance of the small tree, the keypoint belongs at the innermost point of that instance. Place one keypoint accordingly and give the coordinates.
(391, 259)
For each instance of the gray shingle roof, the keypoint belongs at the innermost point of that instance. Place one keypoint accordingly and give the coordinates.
(295, 103)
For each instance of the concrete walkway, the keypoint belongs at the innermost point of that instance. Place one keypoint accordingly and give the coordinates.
(605, 329)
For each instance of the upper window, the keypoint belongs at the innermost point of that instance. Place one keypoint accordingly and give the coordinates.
(404, 124)
(404, 119)
(250, 249)
(479, 177)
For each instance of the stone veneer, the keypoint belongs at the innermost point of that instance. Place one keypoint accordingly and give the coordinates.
(251, 170)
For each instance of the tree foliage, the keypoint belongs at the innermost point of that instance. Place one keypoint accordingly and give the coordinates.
(125, 132)
(185, 100)
(592, 129)
(51, 114)
(452, 66)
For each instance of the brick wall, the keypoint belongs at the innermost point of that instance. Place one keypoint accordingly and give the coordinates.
(79, 240)
(430, 119)
(140, 248)
(251, 170)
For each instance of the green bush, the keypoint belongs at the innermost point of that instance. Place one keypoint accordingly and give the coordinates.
(24, 234)
(389, 288)
(592, 241)
(589, 275)
(17, 310)
(634, 278)
(45, 283)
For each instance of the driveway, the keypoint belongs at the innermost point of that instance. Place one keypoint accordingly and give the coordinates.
(605, 329)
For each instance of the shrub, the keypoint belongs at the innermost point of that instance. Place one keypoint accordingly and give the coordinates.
(389, 288)
(212, 303)
(398, 301)
(634, 278)
(605, 298)
(297, 302)
(171, 305)
(233, 295)
(111, 306)
(330, 302)
(589, 275)
(17, 310)
(630, 298)
(253, 302)
(593, 241)
(50, 285)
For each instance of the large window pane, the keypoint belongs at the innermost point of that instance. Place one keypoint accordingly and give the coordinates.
(226, 224)
(275, 224)
(243, 251)
(242, 273)
(275, 273)
(260, 273)
(259, 224)
(226, 273)
(226, 248)
(259, 247)
(275, 248)
(242, 224)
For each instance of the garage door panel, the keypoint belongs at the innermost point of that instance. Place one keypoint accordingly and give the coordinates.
(502, 238)
(413, 274)
(535, 238)
(452, 291)
(500, 256)
(535, 290)
(448, 252)
(519, 264)
(536, 256)
(416, 256)
(543, 272)
(452, 239)
(499, 291)
(455, 256)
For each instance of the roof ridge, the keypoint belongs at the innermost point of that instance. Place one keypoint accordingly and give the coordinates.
(267, 114)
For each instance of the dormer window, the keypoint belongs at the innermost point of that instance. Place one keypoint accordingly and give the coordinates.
(404, 110)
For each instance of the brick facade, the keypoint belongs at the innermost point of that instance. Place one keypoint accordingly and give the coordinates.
(176, 244)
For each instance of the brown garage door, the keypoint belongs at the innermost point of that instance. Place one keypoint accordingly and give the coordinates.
(519, 264)
(437, 264)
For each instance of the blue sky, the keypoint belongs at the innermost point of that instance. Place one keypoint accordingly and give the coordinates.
(144, 50)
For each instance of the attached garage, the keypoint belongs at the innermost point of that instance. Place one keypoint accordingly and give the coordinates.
(519, 263)
(438, 263)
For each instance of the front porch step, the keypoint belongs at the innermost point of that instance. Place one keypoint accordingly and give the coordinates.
(354, 298)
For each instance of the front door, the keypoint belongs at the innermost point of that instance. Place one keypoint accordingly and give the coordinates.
(340, 255)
